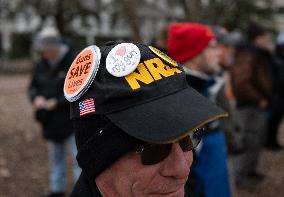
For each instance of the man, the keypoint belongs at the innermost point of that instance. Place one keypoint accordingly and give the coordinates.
(136, 121)
(51, 108)
(194, 45)
(227, 44)
(252, 88)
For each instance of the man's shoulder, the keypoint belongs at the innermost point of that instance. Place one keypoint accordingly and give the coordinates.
(83, 188)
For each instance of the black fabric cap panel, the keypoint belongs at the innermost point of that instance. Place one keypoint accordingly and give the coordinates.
(112, 93)
(154, 103)
(167, 119)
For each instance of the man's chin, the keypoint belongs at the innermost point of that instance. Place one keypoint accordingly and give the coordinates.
(177, 193)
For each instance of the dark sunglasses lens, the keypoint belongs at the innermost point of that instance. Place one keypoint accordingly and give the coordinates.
(155, 153)
(190, 142)
(186, 144)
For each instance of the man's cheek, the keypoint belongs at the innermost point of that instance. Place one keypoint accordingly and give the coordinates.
(144, 179)
(137, 189)
(189, 158)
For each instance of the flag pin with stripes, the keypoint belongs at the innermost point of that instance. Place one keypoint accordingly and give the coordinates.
(87, 106)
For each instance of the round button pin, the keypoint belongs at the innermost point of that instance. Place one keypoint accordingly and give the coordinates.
(123, 59)
(163, 56)
(82, 73)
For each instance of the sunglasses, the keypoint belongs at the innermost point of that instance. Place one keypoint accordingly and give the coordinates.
(154, 153)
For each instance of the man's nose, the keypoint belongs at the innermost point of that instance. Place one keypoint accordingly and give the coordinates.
(178, 163)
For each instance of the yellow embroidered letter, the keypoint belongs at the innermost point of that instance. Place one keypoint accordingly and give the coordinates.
(158, 68)
(143, 76)
(173, 70)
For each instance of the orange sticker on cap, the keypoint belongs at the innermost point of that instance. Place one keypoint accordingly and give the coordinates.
(163, 56)
(82, 73)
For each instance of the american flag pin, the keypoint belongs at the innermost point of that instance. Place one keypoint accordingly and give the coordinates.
(87, 106)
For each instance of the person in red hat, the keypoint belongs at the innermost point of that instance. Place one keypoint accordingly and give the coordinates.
(195, 47)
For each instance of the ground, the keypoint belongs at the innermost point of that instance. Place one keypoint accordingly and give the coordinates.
(23, 153)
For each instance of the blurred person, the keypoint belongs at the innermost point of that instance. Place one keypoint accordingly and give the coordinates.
(252, 87)
(50, 106)
(227, 43)
(277, 101)
(195, 46)
(136, 127)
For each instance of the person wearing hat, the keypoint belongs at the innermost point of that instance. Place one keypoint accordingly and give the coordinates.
(252, 87)
(232, 126)
(195, 47)
(136, 121)
(50, 106)
(227, 43)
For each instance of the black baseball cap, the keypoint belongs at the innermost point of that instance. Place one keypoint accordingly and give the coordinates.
(153, 103)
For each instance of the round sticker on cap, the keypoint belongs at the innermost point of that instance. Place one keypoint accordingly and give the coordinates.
(123, 59)
(163, 56)
(82, 73)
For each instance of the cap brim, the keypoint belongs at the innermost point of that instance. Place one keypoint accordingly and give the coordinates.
(169, 118)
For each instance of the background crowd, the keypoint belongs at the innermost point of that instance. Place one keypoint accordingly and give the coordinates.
(243, 73)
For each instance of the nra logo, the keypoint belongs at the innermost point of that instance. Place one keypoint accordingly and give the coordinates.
(150, 71)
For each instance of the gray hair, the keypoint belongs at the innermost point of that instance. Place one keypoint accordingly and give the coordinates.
(48, 37)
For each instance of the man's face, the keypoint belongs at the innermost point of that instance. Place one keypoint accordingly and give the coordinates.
(50, 53)
(129, 177)
(211, 58)
(227, 55)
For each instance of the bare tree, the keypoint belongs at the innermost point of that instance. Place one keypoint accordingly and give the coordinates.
(193, 10)
(229, 13)
(130, 10)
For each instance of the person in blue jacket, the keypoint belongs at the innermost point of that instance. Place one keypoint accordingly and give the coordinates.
(194, 46)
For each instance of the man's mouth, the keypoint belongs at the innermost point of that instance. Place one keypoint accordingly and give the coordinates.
(173, 192)
(170, 192)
